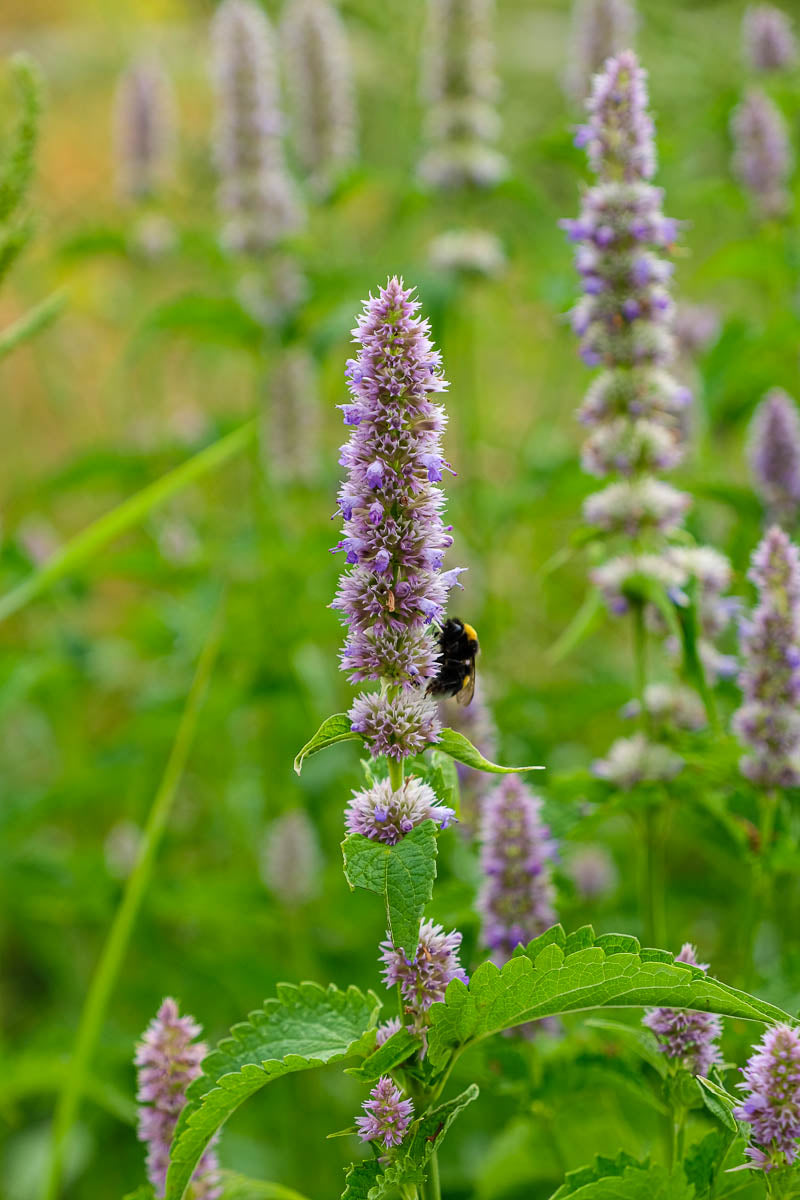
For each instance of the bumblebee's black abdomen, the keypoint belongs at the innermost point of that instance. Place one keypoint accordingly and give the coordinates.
(458, 644)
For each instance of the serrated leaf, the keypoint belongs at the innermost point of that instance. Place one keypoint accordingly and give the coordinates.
(305, 1026)
(394, 1051)
(402, 874)
(361, 1180)
(719, 1103)
(424, 1138)
(332, 730)
(635, 1183)
(603, 1167)
(461, 748)
(703, 1159)
(523, 990)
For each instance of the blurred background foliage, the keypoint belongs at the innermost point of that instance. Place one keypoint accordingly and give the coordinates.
(153, 358)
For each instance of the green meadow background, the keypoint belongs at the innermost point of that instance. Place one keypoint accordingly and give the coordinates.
(154, 358)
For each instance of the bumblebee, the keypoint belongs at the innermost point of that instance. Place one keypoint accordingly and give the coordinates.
(458, 648)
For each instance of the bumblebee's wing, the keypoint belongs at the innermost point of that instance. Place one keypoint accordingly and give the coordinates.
(464, 696)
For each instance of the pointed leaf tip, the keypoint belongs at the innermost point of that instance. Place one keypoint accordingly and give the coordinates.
(332, 730)
(461, 748)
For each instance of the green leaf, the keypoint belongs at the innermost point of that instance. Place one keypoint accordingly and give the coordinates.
(402, 874)
(547, 982)
(719, 1103)
(443, 778)
(703, 1159)
(361, 1180)
(332, 730)
(394, 1051)
(639, 1182)
(305, 1026)
(462, 749)
(424, 1137)
(366, 1180)
(240, 1187)
(31, 323)
(579, 628)
(84, 546)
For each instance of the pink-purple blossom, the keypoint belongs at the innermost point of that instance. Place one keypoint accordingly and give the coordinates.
(423, 979)
(394, 589)
(772, 1103)
(768, 38)
(762, 155)
(689, 1038)
(386, 815)
(517, 851)
(775, 454)
(768, 722)
(388, 1115)
(168, 1058)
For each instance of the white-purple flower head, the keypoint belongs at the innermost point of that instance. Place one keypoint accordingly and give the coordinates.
(388, 1115)
(762, 154)
(320, 83)
(168, 1058)
(394, 589)
(144, 128)
(423, 979)
(689, 1038)
(516, 896)
(291, 861)
(768, 722)
(618, 134)
(256, 194)
(385, 815)
(768, 38)
(775, 454)
(600, 28)
(772, 1103)
(460, 87)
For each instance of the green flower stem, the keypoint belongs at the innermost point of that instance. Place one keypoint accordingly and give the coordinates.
(433, 1188)
(653, 878)
(640, 661)
(84, 546)
(678, 1134)
(108, 967)
(396, 773)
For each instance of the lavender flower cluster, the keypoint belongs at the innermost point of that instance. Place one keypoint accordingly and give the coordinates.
(320, 87)
(688, 1038)
(768, 38)
(600, 29)
(394, 537)
(388, 1115)
(423, 979)
(772, 1104)
(386, 815)
(516, 897)
(634, 408)
(775, 455)
(762, 155)
(144, 129)
(768, 722)
(256, 193)
(168, 1059)
(460, 88)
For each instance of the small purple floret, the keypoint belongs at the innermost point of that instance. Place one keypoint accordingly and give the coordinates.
(686, 1036)
(388, 1114)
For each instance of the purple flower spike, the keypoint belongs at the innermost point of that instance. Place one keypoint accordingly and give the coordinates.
(768, 722)
(394, 536)
(762, 156)
(768, 38)
(144, 129)
(388, 1114)
(772, 1103)
(620, 129)
(600, 28)
(516, 897)
(423, 979)
(775, 454)
(687, 1037)
(387, 816)
(168, 1059)
(256, 194)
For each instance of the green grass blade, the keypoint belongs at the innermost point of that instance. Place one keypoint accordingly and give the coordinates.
(31, 323)
(81, 549)
(108, 967)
